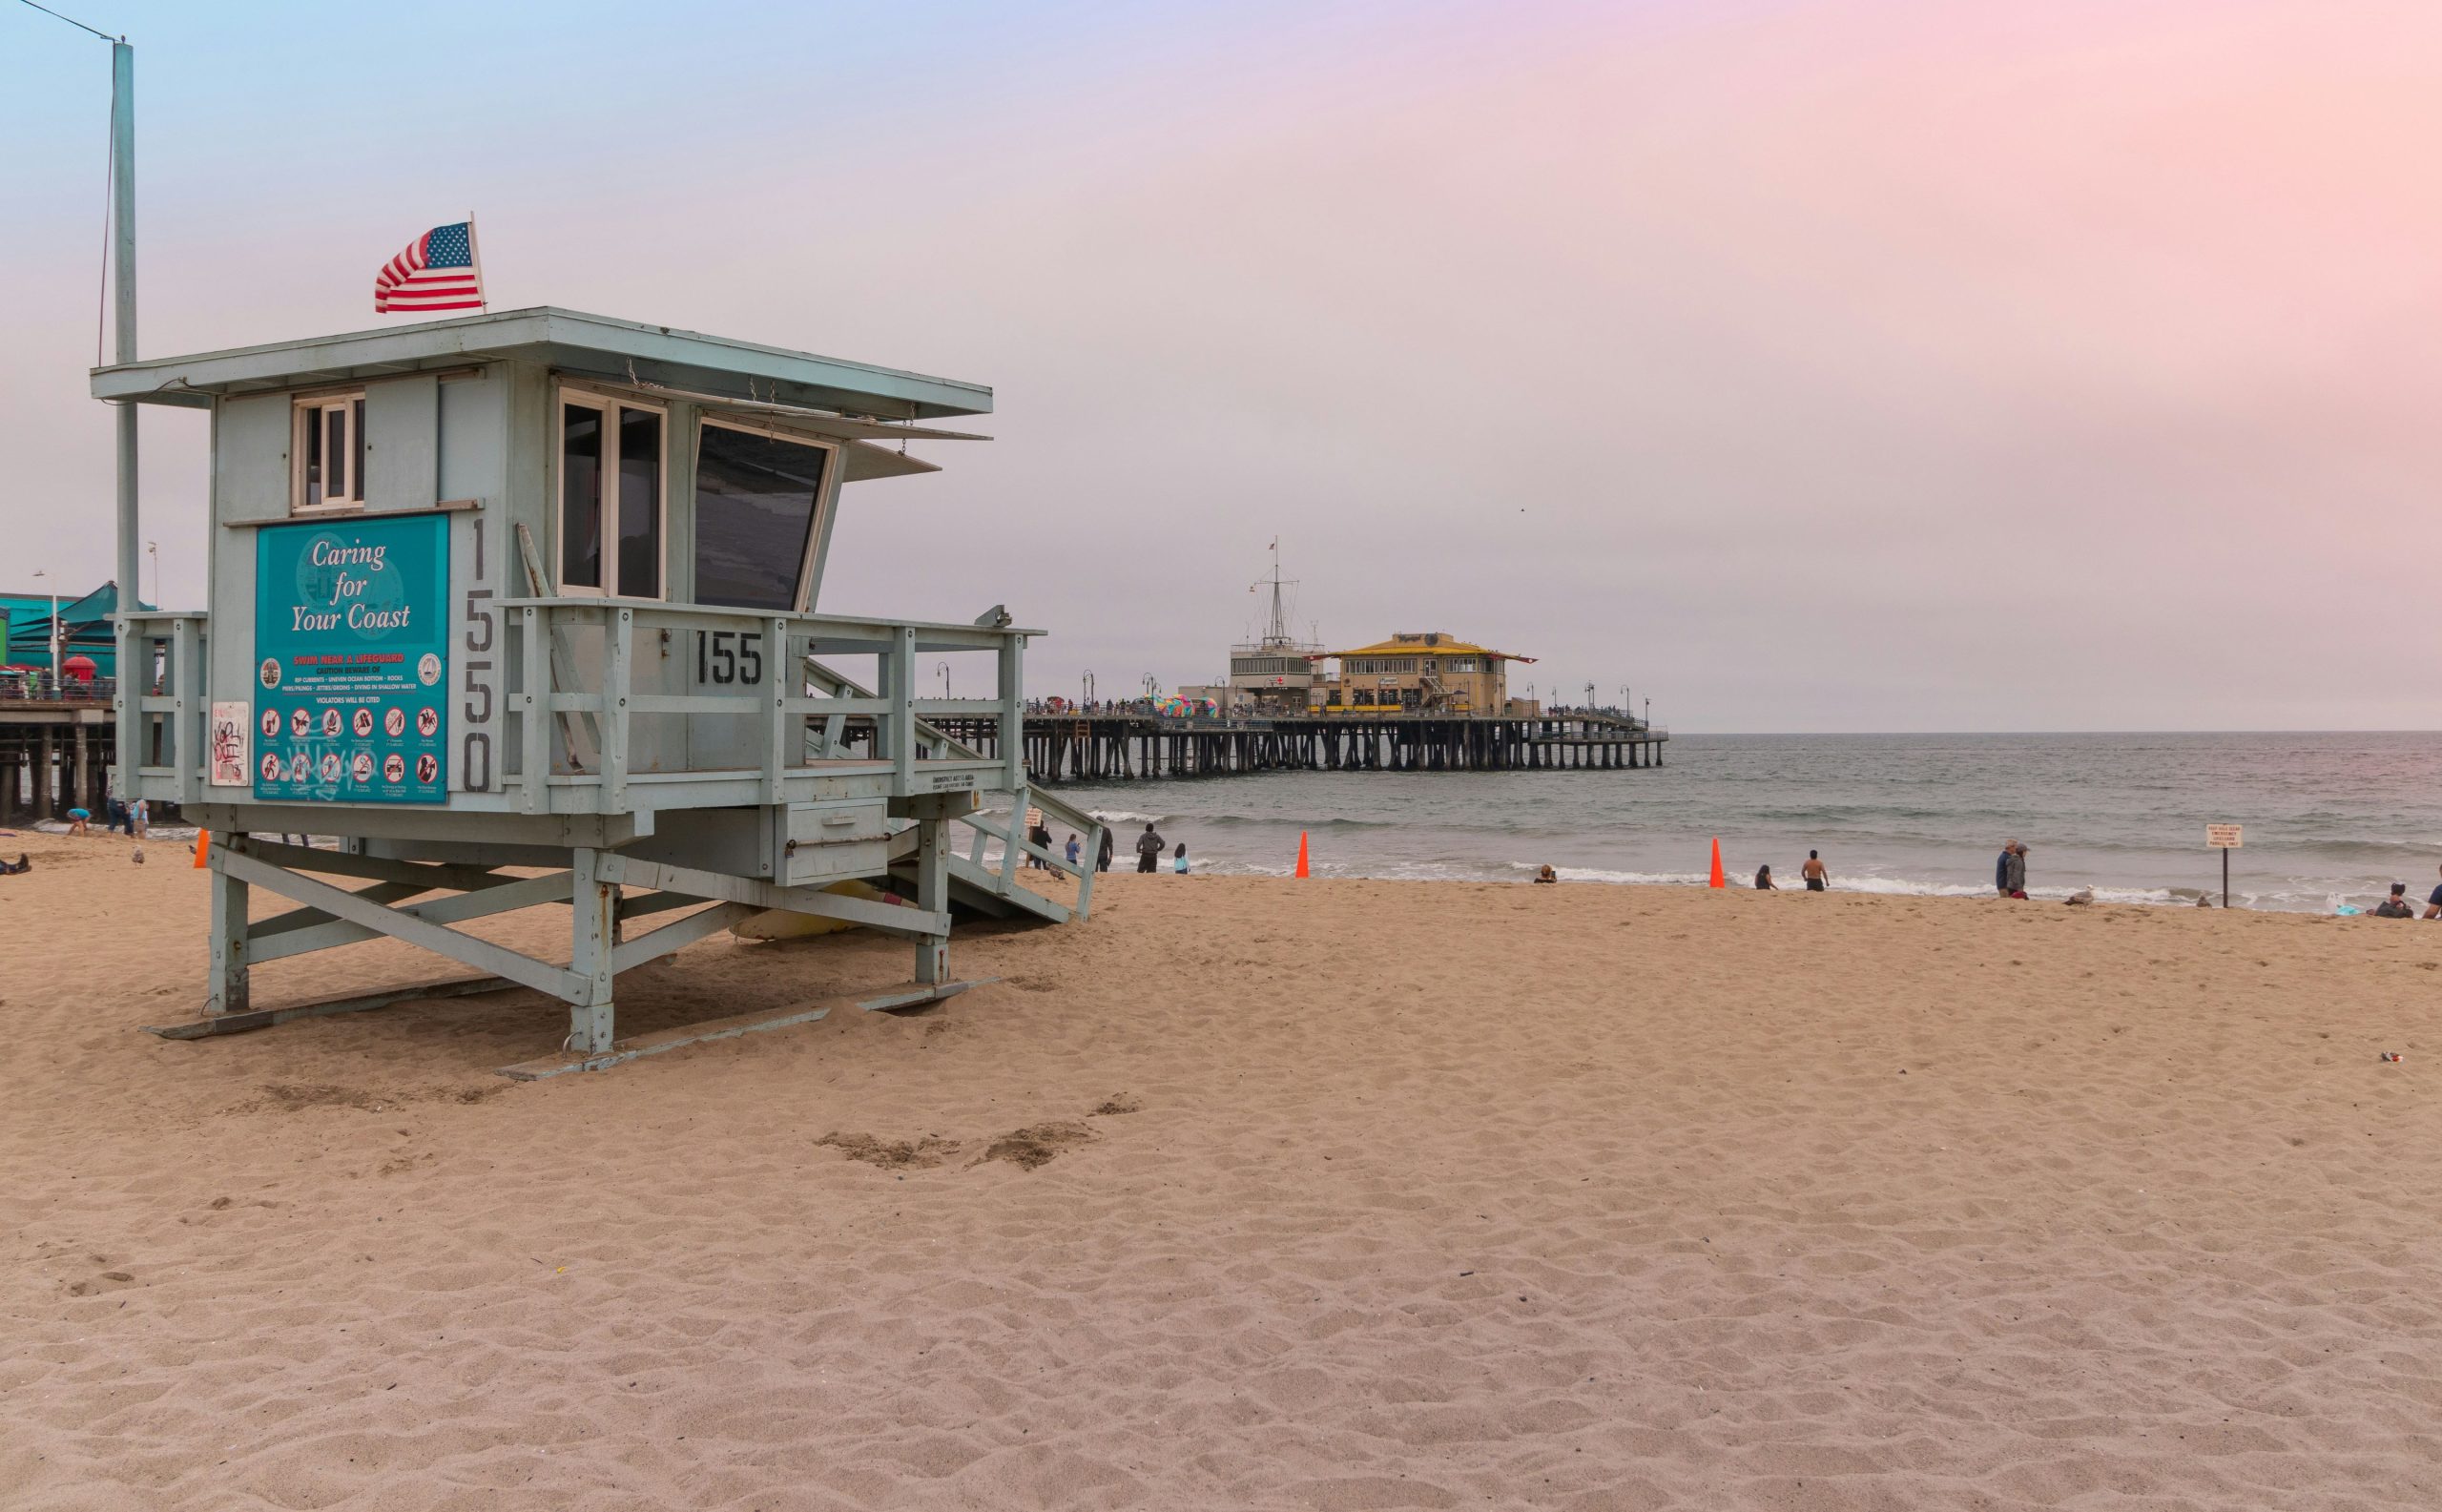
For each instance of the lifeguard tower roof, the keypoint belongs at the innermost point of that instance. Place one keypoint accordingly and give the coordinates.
(567, 340)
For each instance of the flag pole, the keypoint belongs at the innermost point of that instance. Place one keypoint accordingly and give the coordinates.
(132, 679)
(483, 299)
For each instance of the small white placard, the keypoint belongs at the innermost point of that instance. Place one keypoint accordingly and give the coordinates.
(232, 731)
(2221, 837)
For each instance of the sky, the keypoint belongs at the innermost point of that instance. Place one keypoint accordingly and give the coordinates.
(1797, 365)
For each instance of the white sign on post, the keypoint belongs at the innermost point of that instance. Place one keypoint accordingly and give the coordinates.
(232, 733)
(2223, 838)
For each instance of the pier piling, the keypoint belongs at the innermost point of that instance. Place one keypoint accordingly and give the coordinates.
(1096, 747)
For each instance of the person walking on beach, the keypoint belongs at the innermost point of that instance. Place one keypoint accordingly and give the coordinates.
(2002, 868)
(1149, 849)
(1040, 836)
(1072, 852)
(1102, 854)
(1818, 879)
(2014, 871)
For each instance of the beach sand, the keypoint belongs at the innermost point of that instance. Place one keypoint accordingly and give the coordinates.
(1248, 1193)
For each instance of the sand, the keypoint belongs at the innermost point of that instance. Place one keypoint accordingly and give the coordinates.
(1248, 1193)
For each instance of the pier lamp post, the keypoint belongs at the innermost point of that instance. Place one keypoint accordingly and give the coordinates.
(1089, 687)
(54, 625)
(1152, 685)
(943, 668)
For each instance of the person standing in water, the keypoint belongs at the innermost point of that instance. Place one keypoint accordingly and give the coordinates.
(1149, 850)
(1102, 852)
(1818, 878)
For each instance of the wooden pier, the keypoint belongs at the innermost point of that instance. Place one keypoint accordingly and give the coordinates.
(54, 756)
(1101, 747)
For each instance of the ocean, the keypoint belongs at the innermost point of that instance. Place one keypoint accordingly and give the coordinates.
(2328, 818)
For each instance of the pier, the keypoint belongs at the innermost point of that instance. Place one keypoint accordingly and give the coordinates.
(1102, 747)
(55, 750)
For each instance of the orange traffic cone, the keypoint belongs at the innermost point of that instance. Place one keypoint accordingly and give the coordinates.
(202, 841)
(1301, 852)
(1719, 880)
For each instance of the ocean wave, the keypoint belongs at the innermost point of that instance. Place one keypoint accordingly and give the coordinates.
(1881, 886)
(2312, 899)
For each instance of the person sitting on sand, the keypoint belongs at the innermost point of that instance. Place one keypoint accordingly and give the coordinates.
(1818, 876)
(2434, 904)
(13, 869)
(1547, 875)
(2396, 905)
(1764, 882)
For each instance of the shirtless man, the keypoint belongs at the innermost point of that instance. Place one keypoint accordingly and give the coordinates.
(1817, 877)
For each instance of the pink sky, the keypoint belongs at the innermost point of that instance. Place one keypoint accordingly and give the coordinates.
(1859, 366)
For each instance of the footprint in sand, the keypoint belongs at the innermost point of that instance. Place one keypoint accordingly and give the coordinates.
(1036, 1144)
(107, 1281)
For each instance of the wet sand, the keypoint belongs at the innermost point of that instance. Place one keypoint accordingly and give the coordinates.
(1248, 1193)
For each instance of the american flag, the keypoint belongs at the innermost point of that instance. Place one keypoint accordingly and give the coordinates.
(437, 272)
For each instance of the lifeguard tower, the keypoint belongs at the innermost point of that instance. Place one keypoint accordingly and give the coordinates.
(536, 589)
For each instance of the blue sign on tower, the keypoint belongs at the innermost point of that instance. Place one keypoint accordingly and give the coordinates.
(352, 661)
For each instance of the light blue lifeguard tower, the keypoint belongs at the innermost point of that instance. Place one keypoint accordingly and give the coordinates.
(538, 590)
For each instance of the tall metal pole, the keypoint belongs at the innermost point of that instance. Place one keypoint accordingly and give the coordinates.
(130, 678)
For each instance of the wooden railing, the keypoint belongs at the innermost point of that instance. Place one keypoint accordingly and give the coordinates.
(171, 710)
(577, 745)
(827, 739)
(569, 741)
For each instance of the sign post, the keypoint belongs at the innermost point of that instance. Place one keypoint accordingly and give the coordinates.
(2223, 838)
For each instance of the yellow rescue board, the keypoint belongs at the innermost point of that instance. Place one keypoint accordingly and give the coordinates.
(779, 923)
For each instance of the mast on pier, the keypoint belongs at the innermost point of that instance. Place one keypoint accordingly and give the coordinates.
(1276, 674)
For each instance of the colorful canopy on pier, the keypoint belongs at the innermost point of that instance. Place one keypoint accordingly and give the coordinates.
(86, 628)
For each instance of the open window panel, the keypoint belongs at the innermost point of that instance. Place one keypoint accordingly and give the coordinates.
(326, 446)
(759, 497)
(612, 498)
